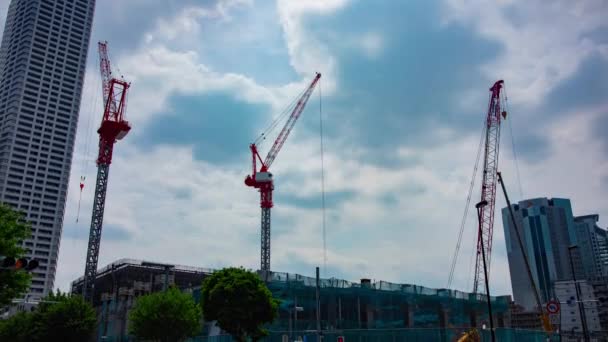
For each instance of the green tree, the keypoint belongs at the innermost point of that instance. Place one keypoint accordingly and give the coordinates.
(64, 317)
(168, 316)
(13, 230)
(59, 317)
(17, 328)
(239, 301)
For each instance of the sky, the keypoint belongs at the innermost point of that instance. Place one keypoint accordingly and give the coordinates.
(402, 102)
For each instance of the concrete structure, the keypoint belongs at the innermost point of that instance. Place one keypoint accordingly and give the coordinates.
(570, 319)
(592, 242)
(524, 319)
(120, 283)
(547, 229)
(600, 291)
(344, 305)
(42, 64)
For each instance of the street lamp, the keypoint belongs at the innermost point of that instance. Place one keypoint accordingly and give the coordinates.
(578, 295)
(479, 206)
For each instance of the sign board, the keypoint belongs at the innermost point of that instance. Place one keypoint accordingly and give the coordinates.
(552, 307)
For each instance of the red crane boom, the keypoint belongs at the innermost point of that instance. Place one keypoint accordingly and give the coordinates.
(113, 127)
(262, 179)
(488, 185)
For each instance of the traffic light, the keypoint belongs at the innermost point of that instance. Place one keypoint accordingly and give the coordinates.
(20, 264)
(340, 338)
(8, 262)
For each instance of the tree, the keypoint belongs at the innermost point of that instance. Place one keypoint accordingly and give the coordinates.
(18, 328)
(239, 301)
(168, 316)
(64, 317)
(59, 317)
(13, 230)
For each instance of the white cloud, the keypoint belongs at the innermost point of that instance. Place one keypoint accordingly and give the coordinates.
(372, 44)
(158, 70)
(306, 53)
(186, 24)
(179, 209)
(544, 43)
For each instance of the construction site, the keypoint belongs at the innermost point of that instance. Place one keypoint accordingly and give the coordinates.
(344, 305)
(351, 161)
(379, 310)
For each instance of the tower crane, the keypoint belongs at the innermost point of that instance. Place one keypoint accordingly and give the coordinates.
(113, 127)
(263, 180)
(488, 185)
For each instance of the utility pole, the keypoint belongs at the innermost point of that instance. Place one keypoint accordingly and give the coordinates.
(581, 307)
(544, 318)
(479, 206)
(318, 307)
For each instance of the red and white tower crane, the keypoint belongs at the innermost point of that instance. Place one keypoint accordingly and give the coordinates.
(113, 127)
(488, 185)
(262, 179)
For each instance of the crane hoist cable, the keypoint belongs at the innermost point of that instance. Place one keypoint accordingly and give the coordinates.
(513, 150)
(322, 181)
(287, 110)
(87, 143)
(466, 208)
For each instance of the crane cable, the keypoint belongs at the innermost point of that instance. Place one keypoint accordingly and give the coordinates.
(322, 181)
(466, 209)
(287, 110)
(505, 106)
(87, 144)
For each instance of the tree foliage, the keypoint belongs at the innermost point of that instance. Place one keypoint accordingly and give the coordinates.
(168, 316)
(18, 328)
(239, 301)
(60, 317)
(64, 317)
(13, 230)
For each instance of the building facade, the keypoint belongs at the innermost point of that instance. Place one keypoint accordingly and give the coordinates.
(372, 306)
(572, 305)
(592, 242)
(546, 227)
(42, 64)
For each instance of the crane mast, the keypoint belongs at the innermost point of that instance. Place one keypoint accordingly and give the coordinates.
(113, 127)
(488, 185)
(262, 179)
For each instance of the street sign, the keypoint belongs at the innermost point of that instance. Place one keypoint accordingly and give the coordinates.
(552, 307)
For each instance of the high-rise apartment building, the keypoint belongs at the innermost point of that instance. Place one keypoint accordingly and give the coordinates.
(546, 227)
(42, 65)
(592, 242)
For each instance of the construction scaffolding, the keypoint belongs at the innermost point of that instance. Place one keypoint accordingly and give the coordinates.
(378, 305)
(374, 307)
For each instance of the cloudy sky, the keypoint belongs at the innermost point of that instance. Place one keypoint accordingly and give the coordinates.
(404, 93)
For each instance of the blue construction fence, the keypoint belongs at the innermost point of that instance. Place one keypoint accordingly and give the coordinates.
(394, 335)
